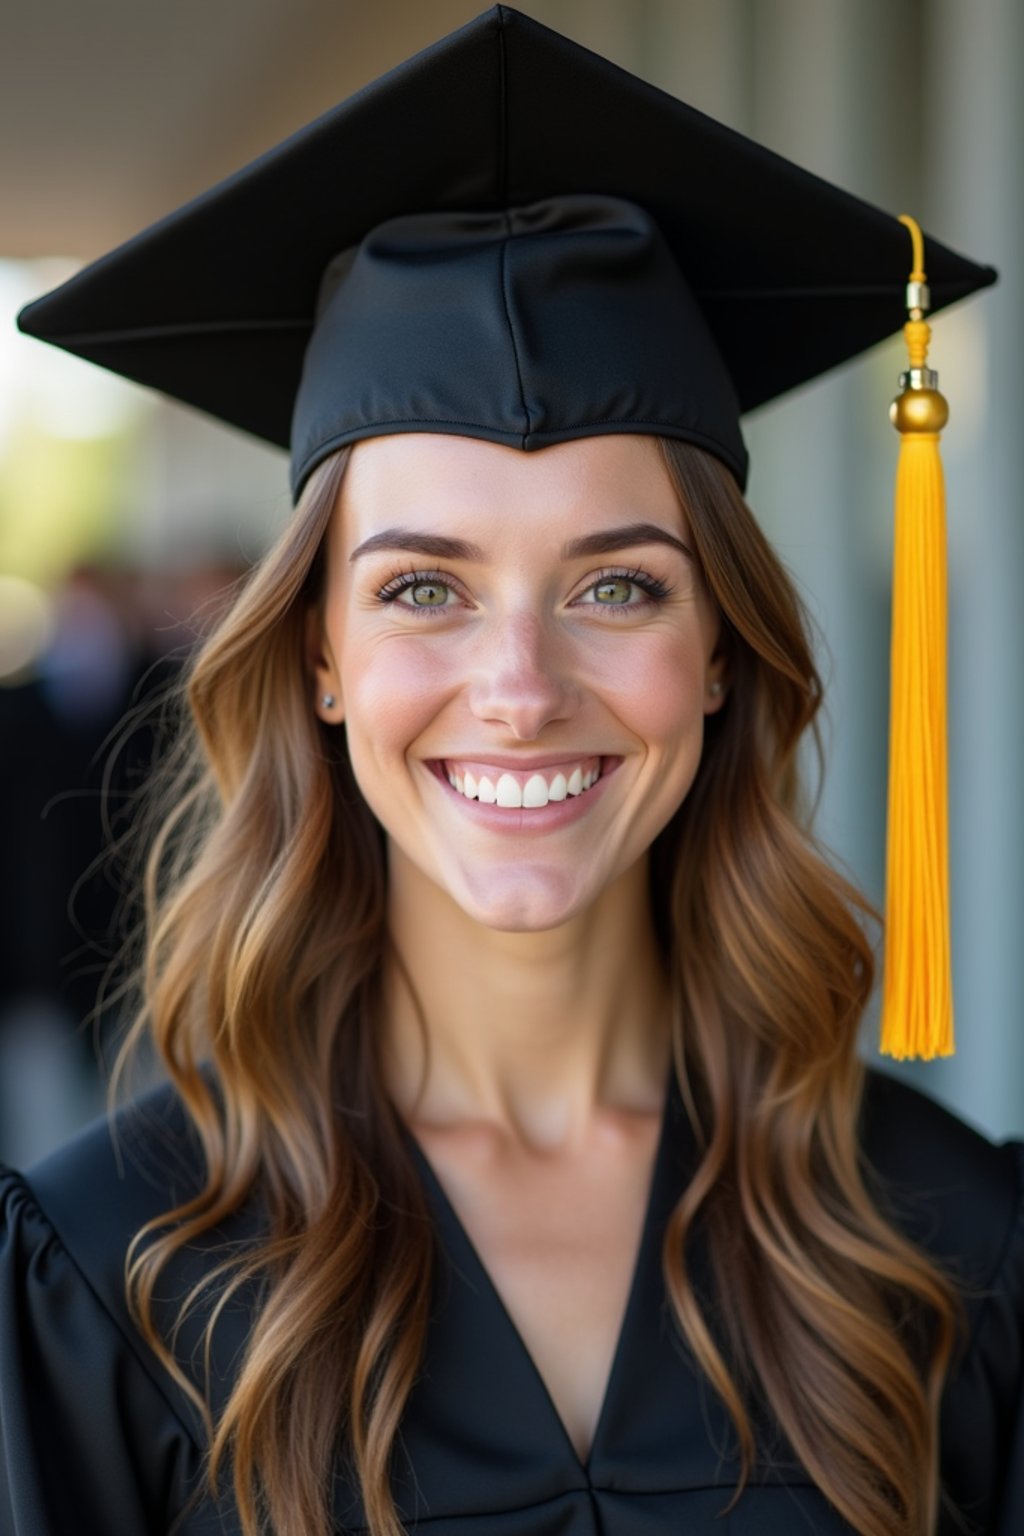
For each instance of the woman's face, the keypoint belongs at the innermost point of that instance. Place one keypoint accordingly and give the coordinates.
(516, 620)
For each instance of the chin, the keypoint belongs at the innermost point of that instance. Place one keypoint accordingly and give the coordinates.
(503, 900)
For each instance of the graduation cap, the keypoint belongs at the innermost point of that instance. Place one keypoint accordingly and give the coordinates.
(509, 237)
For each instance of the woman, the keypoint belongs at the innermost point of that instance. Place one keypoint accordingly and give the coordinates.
(516, 1171)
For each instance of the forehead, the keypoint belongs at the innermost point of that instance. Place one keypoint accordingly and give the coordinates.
(446, 483)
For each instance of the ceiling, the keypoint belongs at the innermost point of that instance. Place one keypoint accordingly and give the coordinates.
(112, 112)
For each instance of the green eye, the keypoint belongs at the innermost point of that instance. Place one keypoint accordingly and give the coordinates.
(603, 588)
(436, 592)
(428, 591)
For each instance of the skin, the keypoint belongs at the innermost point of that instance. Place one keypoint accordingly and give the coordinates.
(545, 1003)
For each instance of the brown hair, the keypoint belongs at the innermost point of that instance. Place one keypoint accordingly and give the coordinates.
(260, 947)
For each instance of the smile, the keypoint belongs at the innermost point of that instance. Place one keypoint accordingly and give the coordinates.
(525, 800)
(497, 786)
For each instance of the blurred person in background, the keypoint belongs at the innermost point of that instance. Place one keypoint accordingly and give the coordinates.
(79, 737)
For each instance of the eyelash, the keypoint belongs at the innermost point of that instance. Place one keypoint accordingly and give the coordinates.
(657, 591)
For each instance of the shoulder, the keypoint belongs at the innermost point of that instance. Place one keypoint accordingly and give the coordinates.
(66, 1224)
(102, 1185)
(950, 1188)
(97, 1435)
(147, 1150)
(961, 1197)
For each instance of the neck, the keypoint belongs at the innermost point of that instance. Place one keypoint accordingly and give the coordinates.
(534, 1033)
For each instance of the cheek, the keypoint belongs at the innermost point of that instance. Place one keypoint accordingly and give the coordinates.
(656, 685)
(392, 691)
(659, 699)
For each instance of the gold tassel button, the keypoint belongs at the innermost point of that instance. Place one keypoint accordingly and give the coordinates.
(919, 410)
(917, 1001)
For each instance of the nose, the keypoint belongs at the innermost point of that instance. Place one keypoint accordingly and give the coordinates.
(523, 677)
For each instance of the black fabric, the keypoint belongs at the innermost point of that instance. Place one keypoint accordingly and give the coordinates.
(216, 303)
(483, 324)
(97, 1440)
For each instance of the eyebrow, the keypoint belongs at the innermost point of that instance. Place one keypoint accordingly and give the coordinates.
(604, 542)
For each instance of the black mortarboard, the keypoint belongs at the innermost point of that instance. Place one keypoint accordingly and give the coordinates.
(521, 242)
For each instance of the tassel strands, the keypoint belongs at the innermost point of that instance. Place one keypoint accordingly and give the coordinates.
(917, 1000)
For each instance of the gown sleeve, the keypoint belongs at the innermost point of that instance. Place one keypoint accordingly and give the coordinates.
(88, 1440)
(983, 1428)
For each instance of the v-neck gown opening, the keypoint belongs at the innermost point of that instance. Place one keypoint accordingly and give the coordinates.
(465, 1260)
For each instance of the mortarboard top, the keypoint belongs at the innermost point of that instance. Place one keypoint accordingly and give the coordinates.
(565, 250)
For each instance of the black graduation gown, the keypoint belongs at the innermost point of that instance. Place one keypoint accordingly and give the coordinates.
(97, 1441)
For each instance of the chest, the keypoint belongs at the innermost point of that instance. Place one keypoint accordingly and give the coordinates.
(557, 1239)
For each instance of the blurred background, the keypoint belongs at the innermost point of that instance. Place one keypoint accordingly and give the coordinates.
(124, 516)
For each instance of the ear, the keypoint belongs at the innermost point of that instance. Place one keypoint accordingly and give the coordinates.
(321, 666)
(716, 682)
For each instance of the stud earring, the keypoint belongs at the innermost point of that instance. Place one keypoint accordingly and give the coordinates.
(328, 701)
(715, 688)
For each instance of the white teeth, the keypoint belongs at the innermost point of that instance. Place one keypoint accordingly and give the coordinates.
(508, 792)
(535, 790)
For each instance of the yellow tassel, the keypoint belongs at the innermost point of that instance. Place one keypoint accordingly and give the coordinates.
(917, 1001)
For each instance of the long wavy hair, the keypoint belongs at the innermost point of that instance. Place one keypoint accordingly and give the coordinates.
(254, 970)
